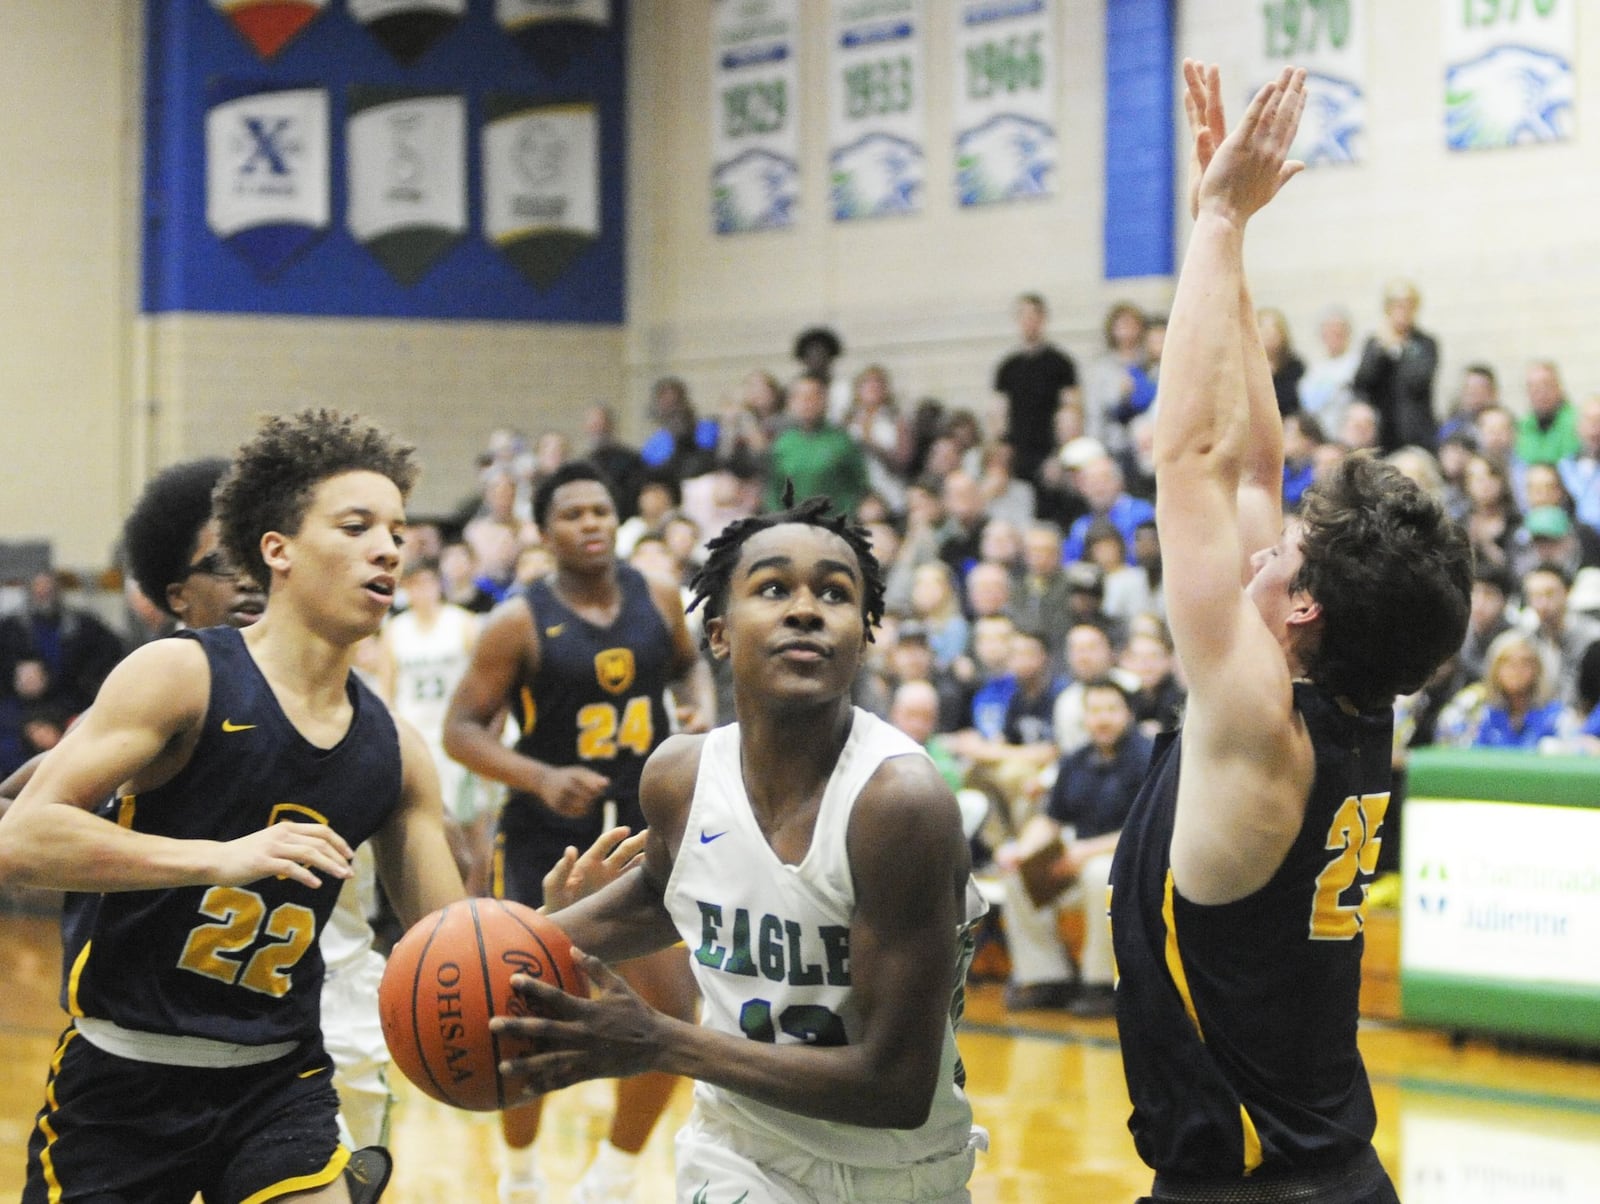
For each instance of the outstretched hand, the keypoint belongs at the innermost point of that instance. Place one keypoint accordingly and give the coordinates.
(577, 876)
(611, 1035)
(1236, 174)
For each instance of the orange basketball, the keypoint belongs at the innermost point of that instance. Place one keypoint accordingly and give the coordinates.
(449, 976)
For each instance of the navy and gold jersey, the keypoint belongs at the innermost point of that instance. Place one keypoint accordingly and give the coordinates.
(1238, 1021)
(239, 964)
(598, 698)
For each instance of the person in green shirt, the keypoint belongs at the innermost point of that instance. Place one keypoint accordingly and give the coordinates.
(1548, 432)
(818, 457)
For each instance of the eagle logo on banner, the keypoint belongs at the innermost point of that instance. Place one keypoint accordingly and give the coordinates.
(613, 668)
(408, 29)
(541, 183)
(267, 171)
(407, 167)
(553, 32)
(269, 25)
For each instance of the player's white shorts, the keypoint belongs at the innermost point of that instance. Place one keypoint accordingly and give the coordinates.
(718, 1164)
(353, 1036)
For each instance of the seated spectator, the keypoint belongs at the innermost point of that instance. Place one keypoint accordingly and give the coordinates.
(1580, 471)
(622, 465)
(988, 590)
(909, 659)
(1325, 389)
(961, 534)
(919, 544)
(749, 425)
(1069, 848)
(1158, 701)
(681, 535)
(1302, 435)
(1041, 599)
(660, 495)
(1056, 495)
(1547, 535)
(1005, 498)
(1417, 465)
(1492, 517)
(914, 709)
(1138, 459)
(1513, 706)
(458, 576)
(937, 606)
(992, 683)
(1479, 391)
(1101, 482)
(1455, 453)
(1287, 367)
(1548, 432)
(1560, 635)
(1359, 431)
(1028, 741)
(715, 499)
(1090, 657)
(1001, 544)
(1487, 616)
(1124, 587)
(1587, 698)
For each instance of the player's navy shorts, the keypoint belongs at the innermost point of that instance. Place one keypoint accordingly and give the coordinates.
(113, 1129)
(528, 844)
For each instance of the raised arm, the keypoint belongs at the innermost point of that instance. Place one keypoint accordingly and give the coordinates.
(139, 733)
(1244, 756)
(910, 863)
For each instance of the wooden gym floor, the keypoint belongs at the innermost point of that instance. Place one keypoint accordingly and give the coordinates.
(1463, 1122)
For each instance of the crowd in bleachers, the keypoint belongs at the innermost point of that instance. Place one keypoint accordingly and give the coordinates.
(1019, 541)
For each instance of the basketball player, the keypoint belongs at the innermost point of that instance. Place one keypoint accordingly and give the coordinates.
(813, 859)
(1240, 881)
(173, 553)
(246, 767)
(584, 656)
(430, 644)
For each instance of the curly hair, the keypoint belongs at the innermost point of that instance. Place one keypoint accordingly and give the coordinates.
(710, 583)
(1392, 574)
(269, 485)
(161, 533)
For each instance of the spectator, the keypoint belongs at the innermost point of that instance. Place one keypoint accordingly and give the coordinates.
(1101, 482)
(914, 709)
(1041, 600)
(988, 590)
(1325, 389)
(1006, 496)
(817, 348)
(660, 495)
(1561, 635)
(458, 576)
(993, 683)
(683, 443)
(936, 604)
(1487, 618)
(874, 421)
(1116, 387)
(1479, 390)
(622, 465)
(1057, 497)
(1514, 705)
(1454, 455)
(1158, 700)
(815, 456)
(1138, 459)
(1287, 367)
(911, 659)
(1548, 432)
(1073, 843)
(961, 534)
(1034, 381)
(1396, 372)
(76, 649)
(1302, 435)
(1361, 428)
(1547, 534)
(1001, 544)
(1580, 471)
(1089, 658)
(1492, 517)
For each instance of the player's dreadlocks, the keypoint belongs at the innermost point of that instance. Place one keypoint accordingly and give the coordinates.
(711, 582)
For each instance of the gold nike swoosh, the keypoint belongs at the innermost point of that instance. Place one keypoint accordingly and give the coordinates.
(228, 725)
(552, 632)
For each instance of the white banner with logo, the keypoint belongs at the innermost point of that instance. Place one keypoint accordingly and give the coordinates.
(755, 89)
(877, 123)
(541, 172)
(1508, 72)
(1005, 100)
(1329, 39)
(1502, 891)
(408, 166)
(267, 161)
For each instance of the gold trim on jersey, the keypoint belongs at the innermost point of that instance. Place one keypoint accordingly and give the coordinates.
(283, 811)
(78, 963)
(530, 711)
(322, 1178)
(126, 806)
(46, 1162)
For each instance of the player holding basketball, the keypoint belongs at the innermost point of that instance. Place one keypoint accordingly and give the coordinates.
(1240, 880)
(246, 767)
(813, 859)
(585, 657)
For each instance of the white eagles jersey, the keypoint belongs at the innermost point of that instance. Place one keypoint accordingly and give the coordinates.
(770, 946)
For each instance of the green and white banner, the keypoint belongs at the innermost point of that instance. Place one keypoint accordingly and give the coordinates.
(541, 183)
(877, 127)
(407, 162)
(755, 89)
(1005, 100)
(1328, 38)
(1508, 72)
